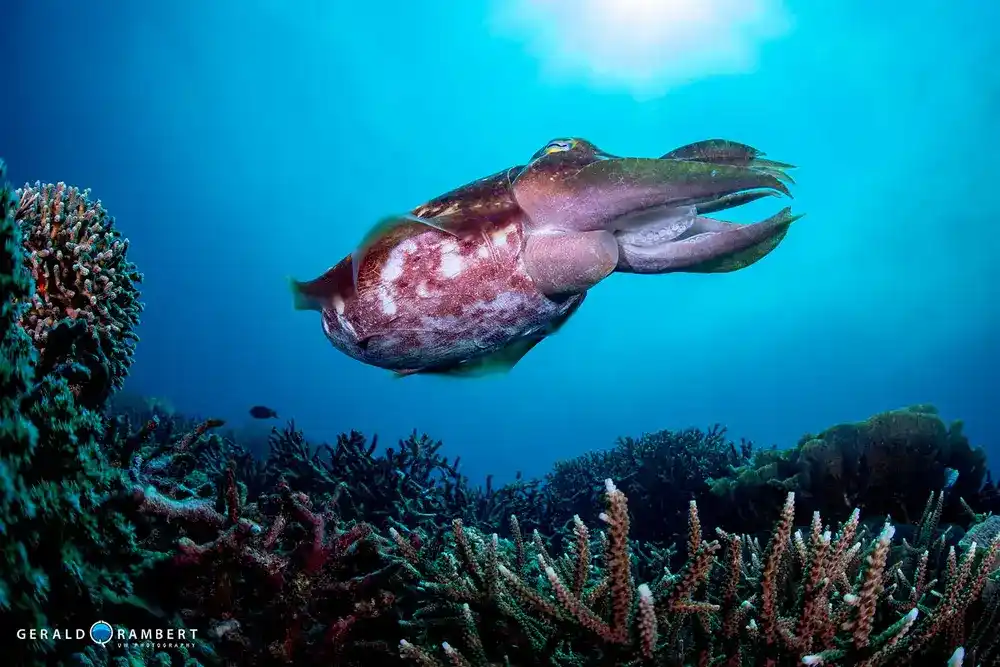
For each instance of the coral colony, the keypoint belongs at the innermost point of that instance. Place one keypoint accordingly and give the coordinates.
(873, 543)
(77, 260)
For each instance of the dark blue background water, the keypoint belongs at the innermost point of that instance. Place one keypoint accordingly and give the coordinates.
(242, 143)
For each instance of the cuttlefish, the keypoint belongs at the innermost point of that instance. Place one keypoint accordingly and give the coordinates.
(472, 280)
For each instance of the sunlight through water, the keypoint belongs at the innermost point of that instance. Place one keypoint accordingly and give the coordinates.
(644, 47)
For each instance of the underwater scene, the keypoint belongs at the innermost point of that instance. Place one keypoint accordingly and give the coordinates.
(505, 333)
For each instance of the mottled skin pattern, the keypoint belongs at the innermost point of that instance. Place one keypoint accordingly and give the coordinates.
(426, 299)
(486, 271)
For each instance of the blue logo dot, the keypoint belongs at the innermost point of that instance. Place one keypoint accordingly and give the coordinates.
(101, 632)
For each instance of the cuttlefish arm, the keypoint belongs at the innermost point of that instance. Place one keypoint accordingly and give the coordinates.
(651, 208)
(708, 246)
(723, 151)
(594, 196)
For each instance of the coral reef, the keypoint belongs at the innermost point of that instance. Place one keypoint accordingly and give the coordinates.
(274, 580)
(317, 568)
(68, 555)
(118, 508)
(814, 598)
(660, 471)
(281, 560)
(78, 262)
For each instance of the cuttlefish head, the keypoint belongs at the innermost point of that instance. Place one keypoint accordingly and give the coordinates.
(588, 213)
(572, 185)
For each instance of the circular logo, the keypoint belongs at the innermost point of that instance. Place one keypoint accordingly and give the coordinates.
(101, 632)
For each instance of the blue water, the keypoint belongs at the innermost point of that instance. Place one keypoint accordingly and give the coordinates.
(240, 143)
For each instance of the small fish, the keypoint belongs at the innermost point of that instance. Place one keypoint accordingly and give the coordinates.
(950, 477)
(262, 412)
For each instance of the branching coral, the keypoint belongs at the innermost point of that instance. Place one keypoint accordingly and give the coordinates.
(660, 471)
(276, 578)
(407, 485)
(78, 261)
(821, 598)
(488, 597)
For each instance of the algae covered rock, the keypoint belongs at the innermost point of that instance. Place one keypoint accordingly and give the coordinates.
(884, 465)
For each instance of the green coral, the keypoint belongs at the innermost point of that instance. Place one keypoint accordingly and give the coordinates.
(814, 596)
(885, 464)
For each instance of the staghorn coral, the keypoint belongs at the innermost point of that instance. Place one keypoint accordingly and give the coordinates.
(822, 597)
(78, 261)
(410, 484)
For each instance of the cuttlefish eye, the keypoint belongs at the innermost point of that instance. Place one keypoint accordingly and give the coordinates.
(559, 145)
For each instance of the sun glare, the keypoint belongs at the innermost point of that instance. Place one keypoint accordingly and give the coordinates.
(646, 46)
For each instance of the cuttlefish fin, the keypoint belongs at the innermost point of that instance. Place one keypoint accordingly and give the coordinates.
(299, 298)
(558, 323)
(312, 294)
(497, 362)
(502, 360)
(442, 223)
